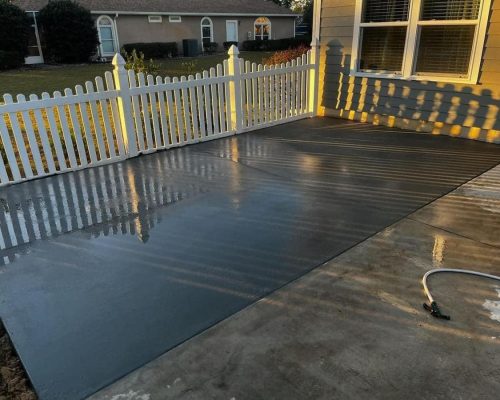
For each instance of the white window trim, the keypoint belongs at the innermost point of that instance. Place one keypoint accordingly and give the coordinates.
(211, 29)
(411, 47)
(237, 29)
(175, 19)
(155, 19)
(270, 28)
(115, 36)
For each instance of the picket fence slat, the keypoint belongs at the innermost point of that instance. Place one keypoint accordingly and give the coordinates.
(221, 96)
(139, 132)
(215, 103)
(193, 108)
(208, 111)
(54, 134)
(110, 85)
(154, 113)
(106, 119)
(125, 114)
(172, 121)
(186, 114)
(86, 126)
(179, 114)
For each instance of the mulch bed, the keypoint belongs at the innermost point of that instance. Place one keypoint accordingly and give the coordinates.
(14, 385)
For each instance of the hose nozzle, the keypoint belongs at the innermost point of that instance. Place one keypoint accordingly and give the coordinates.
(435, 311)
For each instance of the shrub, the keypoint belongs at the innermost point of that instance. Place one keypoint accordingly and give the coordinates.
(153, 50)
(11, 59)
(69, 32)
(14, 34)
(275, 45)
(227, 45)
(137, 62)
(210, 48)
(284, 56)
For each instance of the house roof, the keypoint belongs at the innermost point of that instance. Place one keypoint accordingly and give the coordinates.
(178, 7)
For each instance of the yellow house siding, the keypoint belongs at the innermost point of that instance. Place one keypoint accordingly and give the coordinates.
(464, 110)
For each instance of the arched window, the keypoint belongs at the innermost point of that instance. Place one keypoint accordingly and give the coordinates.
(106, 32)
(207, 31)
(262, 28)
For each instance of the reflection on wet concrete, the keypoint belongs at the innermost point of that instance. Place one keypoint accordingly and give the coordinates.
(107, 268)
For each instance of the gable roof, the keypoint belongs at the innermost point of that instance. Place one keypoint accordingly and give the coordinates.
(177, 7)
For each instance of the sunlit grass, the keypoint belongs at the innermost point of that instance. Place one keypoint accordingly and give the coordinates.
(51, 78)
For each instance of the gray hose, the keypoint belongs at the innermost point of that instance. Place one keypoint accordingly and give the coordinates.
(433, 307)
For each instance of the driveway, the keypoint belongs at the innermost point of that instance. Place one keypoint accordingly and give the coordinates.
(106, 269)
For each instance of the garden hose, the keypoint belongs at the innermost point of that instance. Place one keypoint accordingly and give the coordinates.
(433, 308)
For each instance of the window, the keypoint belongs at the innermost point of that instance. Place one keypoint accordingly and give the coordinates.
(174, 18)
(155, 19)
(106, 30)
(262, 29)
(207, 31)
(420, 39)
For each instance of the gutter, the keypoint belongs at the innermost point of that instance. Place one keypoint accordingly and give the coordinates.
(195, 14)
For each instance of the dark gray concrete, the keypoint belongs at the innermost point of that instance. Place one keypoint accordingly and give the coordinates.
(220, 224)
(354, 328)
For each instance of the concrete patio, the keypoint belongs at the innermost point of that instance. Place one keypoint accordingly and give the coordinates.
(355, 328)
(222, 226)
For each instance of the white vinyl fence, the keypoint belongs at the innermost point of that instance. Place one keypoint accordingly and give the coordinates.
(125, 114)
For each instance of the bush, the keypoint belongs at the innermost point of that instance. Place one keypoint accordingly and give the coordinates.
(137, 62)
(227, 45)
(284, 56)
(153, 50)
(210, 48)
(275, 45)
(11, 59)
(69, 32)
(14, 34)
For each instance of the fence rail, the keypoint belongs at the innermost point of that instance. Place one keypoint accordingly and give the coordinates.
(124, 114)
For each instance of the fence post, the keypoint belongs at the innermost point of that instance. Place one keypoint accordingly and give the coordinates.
(314, 77)
(124, 105)
(235, 101)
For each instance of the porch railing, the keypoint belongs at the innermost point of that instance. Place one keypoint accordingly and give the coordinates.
(124, 115)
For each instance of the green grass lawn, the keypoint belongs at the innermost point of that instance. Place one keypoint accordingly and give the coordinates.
(50, 78)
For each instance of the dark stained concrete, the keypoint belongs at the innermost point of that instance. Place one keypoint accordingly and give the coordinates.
(220, 225)
(354, 328)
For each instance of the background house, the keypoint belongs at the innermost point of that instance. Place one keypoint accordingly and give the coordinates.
(120, 22)
(428, 65)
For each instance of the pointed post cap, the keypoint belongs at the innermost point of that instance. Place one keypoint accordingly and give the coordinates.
(315, 42)
(233, 51)
(118, 60)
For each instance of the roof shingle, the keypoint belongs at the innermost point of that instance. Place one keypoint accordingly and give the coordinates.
(198, 7)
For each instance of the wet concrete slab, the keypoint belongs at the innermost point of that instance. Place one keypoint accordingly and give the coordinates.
(353, 328)
(106, 269)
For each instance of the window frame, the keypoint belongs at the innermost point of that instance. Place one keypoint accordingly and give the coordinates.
(211, 24)
(113, 33)
(175, 19)
(155, 19)
(255, 24)
(414, 25)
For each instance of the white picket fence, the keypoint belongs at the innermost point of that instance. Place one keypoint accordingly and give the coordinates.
(125, 114)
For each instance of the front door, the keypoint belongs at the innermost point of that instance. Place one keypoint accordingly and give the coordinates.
(34, 48)
(232, 31)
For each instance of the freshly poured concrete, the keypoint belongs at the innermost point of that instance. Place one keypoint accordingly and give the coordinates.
(354, 328)
(220, 224)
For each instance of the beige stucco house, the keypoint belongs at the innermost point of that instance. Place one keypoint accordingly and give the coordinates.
(427, 65)
(120, 22)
